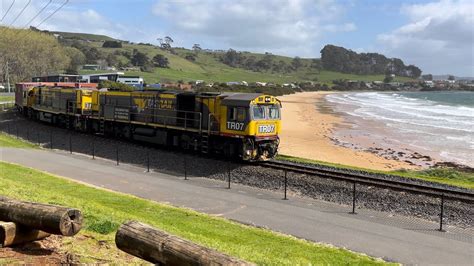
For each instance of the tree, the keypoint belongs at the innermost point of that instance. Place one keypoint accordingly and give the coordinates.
(30, 53)
(92, 55)
(147, 67)
(316, 64)
(112, 44)
(197, 48)
(115, 86)
(168, 40)
(427, 77)
(160, 60)
(388, 78)
(112, 60)
(139, 59)
(266, 62)
(339, 59)
(190, 57)
(231, 58)
(296, 63)
(77, 59)
(413, 71)
(165, 43)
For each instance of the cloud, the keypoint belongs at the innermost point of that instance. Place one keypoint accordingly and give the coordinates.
(438, 37)
(69, 18)
(288, 26)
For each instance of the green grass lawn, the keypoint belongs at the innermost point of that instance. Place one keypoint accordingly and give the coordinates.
(7, 98)
(104, 211)
(439, 175)
(9, 141)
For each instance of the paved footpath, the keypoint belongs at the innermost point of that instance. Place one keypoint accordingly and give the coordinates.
(393, 238)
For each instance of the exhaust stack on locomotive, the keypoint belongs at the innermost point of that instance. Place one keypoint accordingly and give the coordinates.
(235, 124)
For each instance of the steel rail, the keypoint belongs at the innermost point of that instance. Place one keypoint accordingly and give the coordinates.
(371, 180)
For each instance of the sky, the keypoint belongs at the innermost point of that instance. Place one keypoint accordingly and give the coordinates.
(437, 36)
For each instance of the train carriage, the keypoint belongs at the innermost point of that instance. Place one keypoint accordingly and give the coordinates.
(238, 124)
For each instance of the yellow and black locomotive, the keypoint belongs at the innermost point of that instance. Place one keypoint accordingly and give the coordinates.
(238, 124)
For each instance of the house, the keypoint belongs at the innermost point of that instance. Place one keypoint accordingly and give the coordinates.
(394, 84)
(260, 84)
(428, 83)
(96, 78)
(290, 85)
(134, 81)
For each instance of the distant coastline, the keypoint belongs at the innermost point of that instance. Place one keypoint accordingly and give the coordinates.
(425, 129)
(316, 128)
(308, 133)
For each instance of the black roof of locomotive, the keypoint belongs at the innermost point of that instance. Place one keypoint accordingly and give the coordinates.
(239, 99)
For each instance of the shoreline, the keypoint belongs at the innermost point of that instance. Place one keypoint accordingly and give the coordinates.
(309, 127)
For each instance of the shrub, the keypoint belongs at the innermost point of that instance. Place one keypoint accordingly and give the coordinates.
(112, 44)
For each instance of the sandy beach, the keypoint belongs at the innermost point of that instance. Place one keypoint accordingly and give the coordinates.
(307, 132)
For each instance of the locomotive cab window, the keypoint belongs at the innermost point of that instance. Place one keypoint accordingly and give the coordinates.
(261, 112)
(236, 114)
(258, 112)
(273, 112)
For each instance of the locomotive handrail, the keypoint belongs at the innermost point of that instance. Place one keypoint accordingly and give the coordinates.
(209, 124)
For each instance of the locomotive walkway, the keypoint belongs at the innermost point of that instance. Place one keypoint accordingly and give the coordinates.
(408, 241)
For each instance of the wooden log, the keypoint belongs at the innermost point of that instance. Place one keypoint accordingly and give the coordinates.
(13, 234)
(52, 219)
(156, 246)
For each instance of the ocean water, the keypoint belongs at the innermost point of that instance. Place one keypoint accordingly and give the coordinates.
(440, 124)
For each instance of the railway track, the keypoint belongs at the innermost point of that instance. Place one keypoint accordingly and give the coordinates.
(373, 180)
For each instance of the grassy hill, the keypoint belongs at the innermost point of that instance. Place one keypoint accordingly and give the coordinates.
(83, 36)
(209, 68)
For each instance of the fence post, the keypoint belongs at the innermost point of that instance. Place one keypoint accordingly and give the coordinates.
(117, 155)
(51, 139)
(148, 161)
(286, 182)
(228, 174)
(93, 148)
(185, 168)
(441, 214)
(70, 143)
(353, 198)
